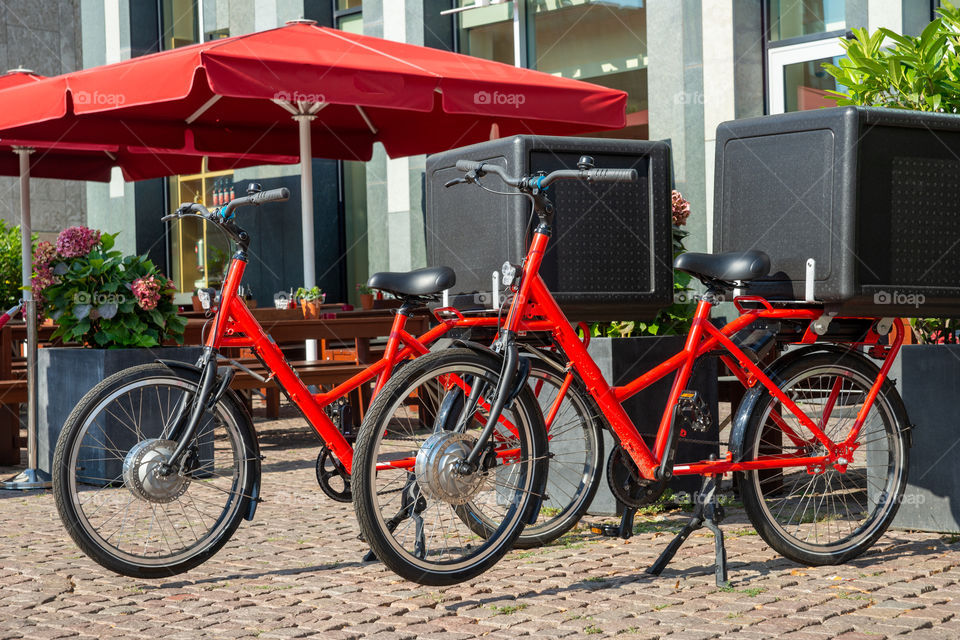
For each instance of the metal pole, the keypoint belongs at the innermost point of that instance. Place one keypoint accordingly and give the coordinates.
(31, 477)
(306, 212)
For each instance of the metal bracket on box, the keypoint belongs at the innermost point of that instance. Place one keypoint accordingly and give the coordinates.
(808, 295)
(883, 326)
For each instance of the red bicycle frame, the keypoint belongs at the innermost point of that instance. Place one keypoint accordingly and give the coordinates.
(535, 299)
(235, 326)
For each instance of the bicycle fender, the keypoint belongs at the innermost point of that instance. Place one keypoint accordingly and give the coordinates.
(175, 364)
(251, 507)
(750, 399)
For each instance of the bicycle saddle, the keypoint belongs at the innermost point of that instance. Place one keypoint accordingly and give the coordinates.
(420, 282)
(724, 267)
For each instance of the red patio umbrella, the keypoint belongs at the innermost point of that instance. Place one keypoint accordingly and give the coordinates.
(301, 88)
(76, 161)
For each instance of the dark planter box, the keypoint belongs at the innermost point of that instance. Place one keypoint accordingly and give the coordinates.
(928, 378)
(610, 255)
(869, 193)
(65, 375)
(623, 359)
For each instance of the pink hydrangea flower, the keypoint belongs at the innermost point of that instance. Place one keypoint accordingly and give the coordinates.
(42, 278)
(147, 291)
(44, 254)
(74, 242)
(681, 209)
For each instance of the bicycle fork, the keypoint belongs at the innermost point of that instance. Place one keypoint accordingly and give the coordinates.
(186, 417)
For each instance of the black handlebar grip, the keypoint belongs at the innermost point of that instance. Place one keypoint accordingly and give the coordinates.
(273, 195)
(468, 165)
(612, 175)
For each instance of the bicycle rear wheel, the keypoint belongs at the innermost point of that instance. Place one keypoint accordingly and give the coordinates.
(108, 491)
(822, 516)
(575, 444)
(409, 494)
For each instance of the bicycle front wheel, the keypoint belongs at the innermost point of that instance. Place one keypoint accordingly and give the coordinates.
(410, 493)
(110, 495)
(829, 514)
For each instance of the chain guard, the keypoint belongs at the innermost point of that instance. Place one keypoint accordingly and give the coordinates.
(330, 474)
(626, 483)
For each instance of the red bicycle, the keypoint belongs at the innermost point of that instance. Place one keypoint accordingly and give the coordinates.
(819, 442)
(158, 464)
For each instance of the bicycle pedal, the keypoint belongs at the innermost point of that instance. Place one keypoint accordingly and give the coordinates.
(608, 530)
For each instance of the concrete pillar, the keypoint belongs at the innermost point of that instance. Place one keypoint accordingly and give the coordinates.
(676, 90)
(395, 231)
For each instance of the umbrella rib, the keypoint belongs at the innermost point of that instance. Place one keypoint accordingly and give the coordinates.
(366, 118)
(206, 105)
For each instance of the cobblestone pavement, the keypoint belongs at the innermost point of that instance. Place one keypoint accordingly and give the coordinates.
(296, 571)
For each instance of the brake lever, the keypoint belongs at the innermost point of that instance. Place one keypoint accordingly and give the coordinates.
(450, 183)
(172, 216)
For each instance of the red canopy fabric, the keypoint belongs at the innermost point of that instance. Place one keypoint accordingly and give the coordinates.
(92, 161)
(225, 95)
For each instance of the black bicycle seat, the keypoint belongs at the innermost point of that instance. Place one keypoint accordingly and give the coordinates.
(724, 267)
(420, 282)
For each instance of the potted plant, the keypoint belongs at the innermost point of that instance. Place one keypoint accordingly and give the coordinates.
(887, 69)
(310, 301)
(117, 309)
(366, 296)
(626, 348)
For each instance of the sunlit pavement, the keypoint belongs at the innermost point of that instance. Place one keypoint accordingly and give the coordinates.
(296, 571)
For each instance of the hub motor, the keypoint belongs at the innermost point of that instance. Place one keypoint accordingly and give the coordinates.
(436, 468)
(141, 472)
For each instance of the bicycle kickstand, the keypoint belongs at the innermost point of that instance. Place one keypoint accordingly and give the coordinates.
(707, 512)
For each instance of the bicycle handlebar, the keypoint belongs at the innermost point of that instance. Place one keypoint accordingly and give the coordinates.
(274, 195)
(541, 182)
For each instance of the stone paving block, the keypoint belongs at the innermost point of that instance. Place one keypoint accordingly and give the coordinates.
(295, 572)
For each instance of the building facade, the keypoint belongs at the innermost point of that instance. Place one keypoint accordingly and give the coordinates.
(687, 65)
(43, 37)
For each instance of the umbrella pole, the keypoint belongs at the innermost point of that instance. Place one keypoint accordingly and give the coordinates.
(306, 212)
(31, 477)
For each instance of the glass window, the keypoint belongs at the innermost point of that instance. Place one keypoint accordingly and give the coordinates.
(795, 18)
(180, 23)
(487, 32)
(349, 18)
(604, 43)
(200, 254)
(352, 23)
(805, 85)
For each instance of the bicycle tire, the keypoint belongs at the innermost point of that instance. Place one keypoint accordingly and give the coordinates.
(226, 464)
(507, 491)
(859, 500)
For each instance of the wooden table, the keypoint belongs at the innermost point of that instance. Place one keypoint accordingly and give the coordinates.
(284, 327)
